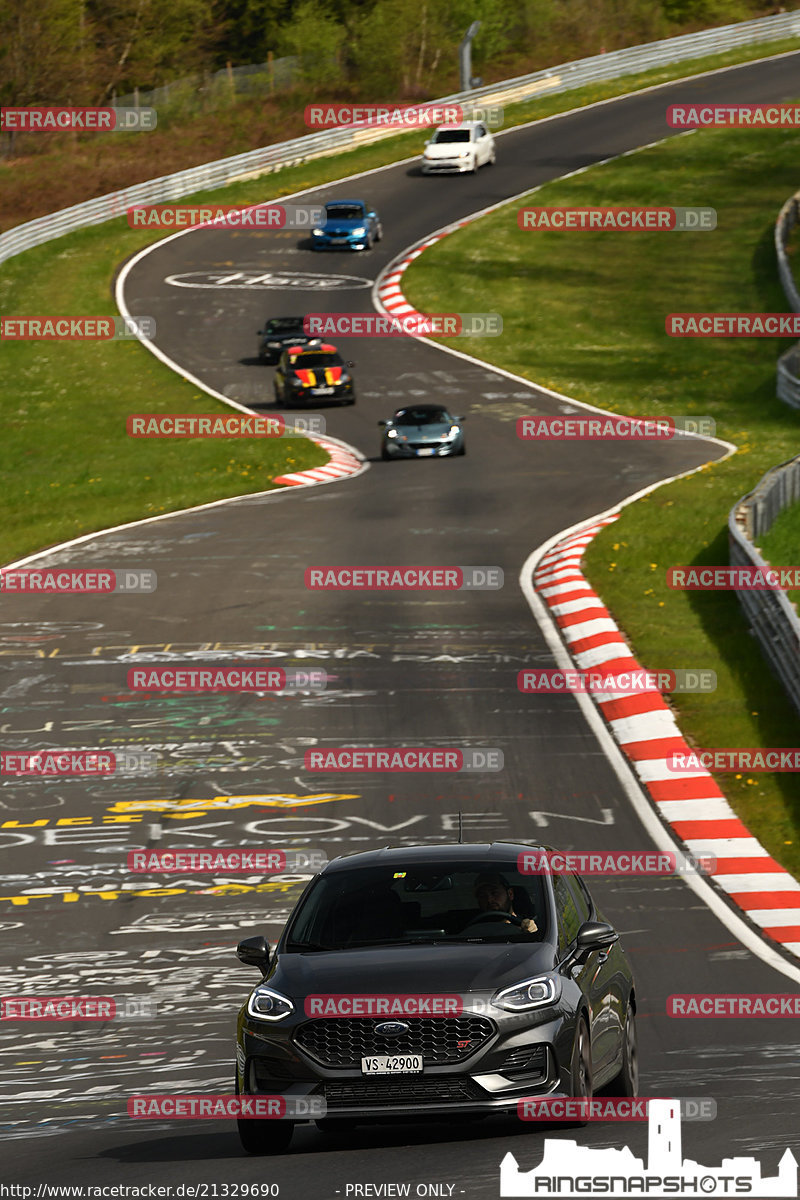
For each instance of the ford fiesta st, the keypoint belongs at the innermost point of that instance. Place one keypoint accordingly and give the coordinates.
(458, 148)
(277, 334)
(434, 982)
(422, 431)
(350, 224)
(308, 374)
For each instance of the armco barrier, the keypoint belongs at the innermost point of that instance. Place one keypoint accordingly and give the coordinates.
(253, 163)
(771, 615)
(788, 380)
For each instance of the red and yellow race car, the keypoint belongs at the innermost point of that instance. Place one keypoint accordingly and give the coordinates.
(307, 375)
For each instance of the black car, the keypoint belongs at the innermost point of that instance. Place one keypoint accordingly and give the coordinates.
(277, 334)
(309, 374)
(535, 994)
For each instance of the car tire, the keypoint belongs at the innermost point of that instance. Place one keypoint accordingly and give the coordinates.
(627, 1082)
(474, 168)
(370, 242)
(492, 159)
(581, 1065)
(385, 455)
(262, 1136)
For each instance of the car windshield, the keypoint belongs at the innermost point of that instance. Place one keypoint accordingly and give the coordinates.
(303, 361)
(463, 901)
(345, 212)
(451, 135)
(284, 325)
(421, 416)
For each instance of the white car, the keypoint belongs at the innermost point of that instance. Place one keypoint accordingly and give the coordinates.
(459, 148)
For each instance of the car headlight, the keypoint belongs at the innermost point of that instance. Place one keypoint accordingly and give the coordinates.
(267, 1005)
(360, 232)
(452, 433)
(540, 992)
(391, 433)
(464, 153)
(317, 232)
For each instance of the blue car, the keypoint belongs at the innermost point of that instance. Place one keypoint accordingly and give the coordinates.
(352, 224)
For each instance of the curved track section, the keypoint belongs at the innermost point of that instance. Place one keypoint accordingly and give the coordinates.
(407, 669)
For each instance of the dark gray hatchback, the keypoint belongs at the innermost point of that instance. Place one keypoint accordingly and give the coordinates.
(434, 981)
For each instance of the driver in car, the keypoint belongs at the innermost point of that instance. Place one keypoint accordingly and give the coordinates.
(493, 894)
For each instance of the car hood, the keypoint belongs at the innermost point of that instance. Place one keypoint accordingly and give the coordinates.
(344, 223)
(423, 433)
(446, 149)
(403, 970)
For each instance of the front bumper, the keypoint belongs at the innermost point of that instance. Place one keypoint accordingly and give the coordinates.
(446, 166)
(434, 450)
(295, 398)
(327, 243)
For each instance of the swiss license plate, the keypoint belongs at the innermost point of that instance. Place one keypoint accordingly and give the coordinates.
(392, 1064)
(338, 241)
(425, 453)
(327, 391)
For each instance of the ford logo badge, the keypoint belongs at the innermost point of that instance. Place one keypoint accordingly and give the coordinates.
(392, 1029)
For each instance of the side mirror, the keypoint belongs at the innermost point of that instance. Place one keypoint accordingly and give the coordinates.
(260, 332)
(254, 952)
(350, 364)
(459, 418)
(594, 935)
(383, 423)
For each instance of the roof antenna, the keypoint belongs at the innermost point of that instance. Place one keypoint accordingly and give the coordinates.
(460, 827)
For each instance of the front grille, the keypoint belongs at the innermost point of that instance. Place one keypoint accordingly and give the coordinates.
(343, 1041)
(526, 1060)
(395, 1090)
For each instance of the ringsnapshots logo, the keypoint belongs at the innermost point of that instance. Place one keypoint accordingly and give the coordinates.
(733, 116)
(225, 216)
(403, 579)
(226, 861)
(411, 325)
(619, 219)
(704, 324)
(616, 862)
(77, 1008)
(247, 677)
(181, 425)
(71, 582)
(96, 120)
(404, 758)
(204, 1106)
(78, 762)
(611, 428)
(620, 683)
(609, 1108)
(737, 759)
(733, 579)
(76, 329)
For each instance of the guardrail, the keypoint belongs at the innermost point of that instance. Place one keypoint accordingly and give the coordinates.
(788, 369)
(253, 163)
(771, 614)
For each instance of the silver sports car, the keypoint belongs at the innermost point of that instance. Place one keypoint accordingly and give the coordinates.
(422, 431)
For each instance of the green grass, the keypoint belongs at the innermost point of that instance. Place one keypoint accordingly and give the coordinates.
(584, 314)
(780, 546)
